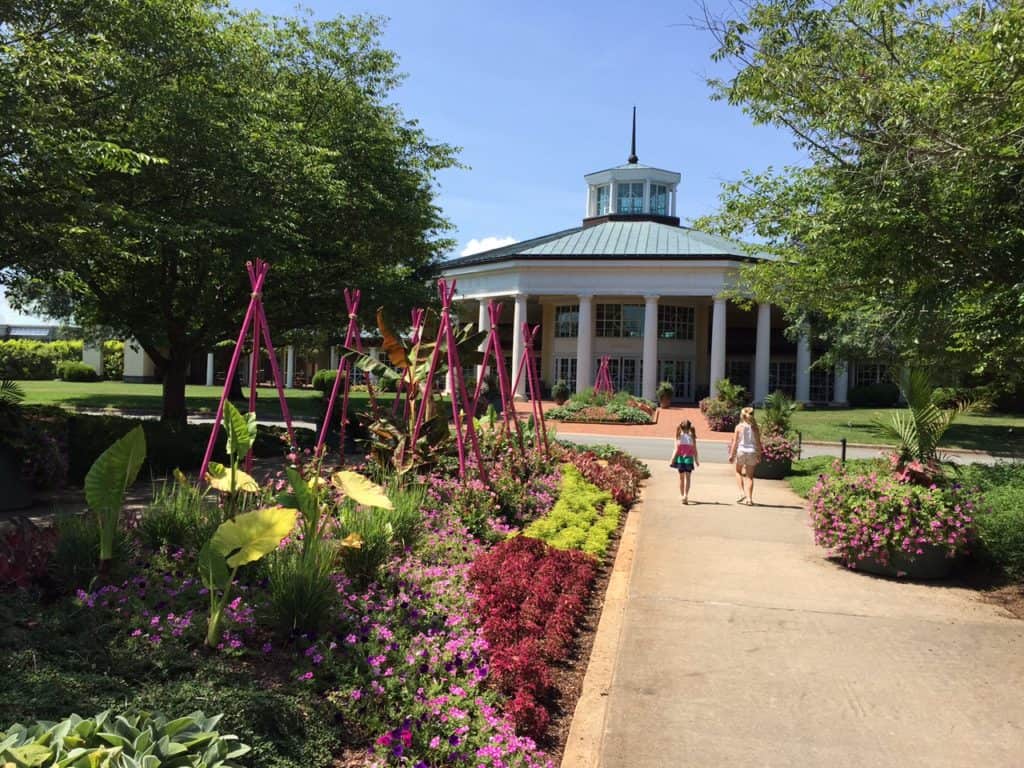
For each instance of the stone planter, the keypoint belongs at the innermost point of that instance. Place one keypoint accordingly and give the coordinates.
(17, 491)
(665, 401)
(560, 400)
(773, 470)
(933, 564)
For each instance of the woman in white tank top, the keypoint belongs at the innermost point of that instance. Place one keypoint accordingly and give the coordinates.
(745, 453)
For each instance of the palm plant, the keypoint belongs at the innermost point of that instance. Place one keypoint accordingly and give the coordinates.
(778, 411)
(919, 430)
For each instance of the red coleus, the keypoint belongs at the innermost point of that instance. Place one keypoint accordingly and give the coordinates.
(530, 599)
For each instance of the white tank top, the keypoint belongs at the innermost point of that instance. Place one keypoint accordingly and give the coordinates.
(747, 443)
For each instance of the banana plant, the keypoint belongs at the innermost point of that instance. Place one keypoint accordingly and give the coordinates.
(240, 433)
(245, 539)
(390, 441)
(105, 484)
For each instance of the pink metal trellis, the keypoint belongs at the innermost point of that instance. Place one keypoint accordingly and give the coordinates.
(464, 428)
(528, 366)
(256, 321)
(510, 418)
(603, 384)
(352, 341)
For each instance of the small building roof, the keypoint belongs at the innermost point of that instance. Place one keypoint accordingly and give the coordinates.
(616, 240)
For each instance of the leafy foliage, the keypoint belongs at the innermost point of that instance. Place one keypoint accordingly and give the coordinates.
(531, 598)
(911, 119)
(238, 143)
(127, 740)
(918, 430)
(583, 518)
(105, 485)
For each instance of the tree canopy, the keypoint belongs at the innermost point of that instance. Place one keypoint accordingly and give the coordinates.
(902, 236)
(148, 149)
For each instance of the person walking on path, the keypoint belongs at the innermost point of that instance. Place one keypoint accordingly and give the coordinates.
(685, 457)
(745, 453)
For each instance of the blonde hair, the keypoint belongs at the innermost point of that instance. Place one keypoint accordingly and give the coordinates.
(747, 415)
(686, 426)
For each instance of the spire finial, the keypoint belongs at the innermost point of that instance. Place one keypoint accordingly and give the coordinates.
(632, 155)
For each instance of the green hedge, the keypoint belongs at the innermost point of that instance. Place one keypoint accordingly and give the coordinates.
(76, 370)
(584, 517)
(39, 360)
(1000, 522)
(880, 395)
(167, 446)
(24, 359)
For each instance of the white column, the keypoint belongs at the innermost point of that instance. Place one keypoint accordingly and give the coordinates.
(650, 376)
(484, 324)
(335, 358)
(518, 344)
(289, 370)
(612, 191)
(762, 352)
(842, 383)
(803, 367)
(673, 194)
(585, 344)
(92, 355)
(717, 345)
(209, 369)
(647, 197)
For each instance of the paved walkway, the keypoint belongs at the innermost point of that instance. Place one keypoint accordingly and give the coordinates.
(741, 645)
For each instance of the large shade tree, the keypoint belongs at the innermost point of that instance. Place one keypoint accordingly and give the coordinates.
(149, 148)
(902, 235)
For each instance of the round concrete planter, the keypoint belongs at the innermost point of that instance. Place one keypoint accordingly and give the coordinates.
(933, 564)
(773, 470)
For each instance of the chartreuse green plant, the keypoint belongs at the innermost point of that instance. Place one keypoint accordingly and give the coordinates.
(105, 484)
(245, 539)
(240, 432)
(129, 740)
(584, 517)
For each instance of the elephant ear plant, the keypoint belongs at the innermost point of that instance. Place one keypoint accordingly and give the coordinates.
(245, 539)
(105, 485)
(231, 481)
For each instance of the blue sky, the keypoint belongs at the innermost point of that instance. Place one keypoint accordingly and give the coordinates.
(539, 93)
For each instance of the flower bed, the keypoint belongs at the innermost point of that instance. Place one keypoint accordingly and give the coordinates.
(874, 516)
(591, 407)
(434, 648)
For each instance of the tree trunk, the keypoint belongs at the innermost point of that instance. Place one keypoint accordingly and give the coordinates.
(174, 390)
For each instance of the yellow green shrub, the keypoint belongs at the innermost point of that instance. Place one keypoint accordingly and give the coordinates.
(584, 517)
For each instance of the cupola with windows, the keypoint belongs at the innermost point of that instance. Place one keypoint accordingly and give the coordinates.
(632, 192)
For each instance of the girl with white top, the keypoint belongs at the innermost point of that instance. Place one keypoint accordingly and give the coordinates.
(685, 457)
(745, 452)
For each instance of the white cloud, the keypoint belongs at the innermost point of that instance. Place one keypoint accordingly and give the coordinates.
(485, 244)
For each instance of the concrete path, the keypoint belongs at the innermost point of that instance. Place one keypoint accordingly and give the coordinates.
(741, 645)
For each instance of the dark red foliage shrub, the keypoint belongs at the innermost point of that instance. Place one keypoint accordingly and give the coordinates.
(25, 553)
(619, 479)
(530, 598)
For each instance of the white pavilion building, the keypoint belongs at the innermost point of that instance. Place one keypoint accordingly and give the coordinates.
(632, 284)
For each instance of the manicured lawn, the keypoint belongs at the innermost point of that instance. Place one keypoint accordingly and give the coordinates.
(1001, 434)
(303, 403)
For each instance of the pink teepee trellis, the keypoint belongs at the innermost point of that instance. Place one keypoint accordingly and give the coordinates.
(603, 383)
(352, 341)
(492, 348)
(465, 432)
(256, 322)
(528, 367)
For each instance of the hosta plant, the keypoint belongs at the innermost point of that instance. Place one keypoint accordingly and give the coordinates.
(105, 484)
(129, 740)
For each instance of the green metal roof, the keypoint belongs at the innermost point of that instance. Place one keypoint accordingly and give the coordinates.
(616, 240)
